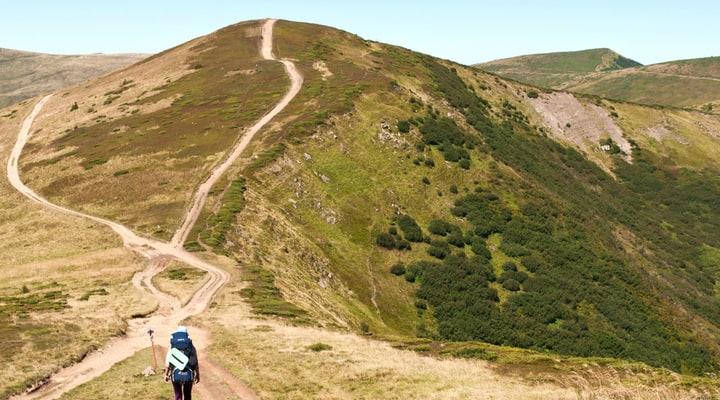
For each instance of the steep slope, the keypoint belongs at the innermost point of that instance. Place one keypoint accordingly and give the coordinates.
(398, 196)
(25, 74)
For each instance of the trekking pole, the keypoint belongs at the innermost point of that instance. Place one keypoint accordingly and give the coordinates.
(151, 332)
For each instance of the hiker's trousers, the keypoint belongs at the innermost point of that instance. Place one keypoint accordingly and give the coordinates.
(183, 388)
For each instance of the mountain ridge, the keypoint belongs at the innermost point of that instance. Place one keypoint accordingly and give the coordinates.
(591, 60)
(458, 181)
(27, 74)
(683, 83)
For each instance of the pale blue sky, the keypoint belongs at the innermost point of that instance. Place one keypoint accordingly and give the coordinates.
(460, 30)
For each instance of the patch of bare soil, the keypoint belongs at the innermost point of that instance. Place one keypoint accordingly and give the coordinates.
(665, 131)
(581, 123)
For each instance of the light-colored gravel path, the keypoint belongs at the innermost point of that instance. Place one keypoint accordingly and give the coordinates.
(216, 381)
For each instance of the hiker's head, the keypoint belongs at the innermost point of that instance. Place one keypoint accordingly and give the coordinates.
(182, 329)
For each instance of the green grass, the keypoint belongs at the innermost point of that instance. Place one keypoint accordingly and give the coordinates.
(649, 88)
(687, 83)
(264, 297)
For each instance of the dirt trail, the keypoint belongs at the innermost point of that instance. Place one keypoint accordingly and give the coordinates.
(217, 383)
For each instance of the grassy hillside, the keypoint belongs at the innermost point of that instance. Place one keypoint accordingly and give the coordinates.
(398, 197)
(556, 69)
(24, 75)
(688, 83)
(601, 72)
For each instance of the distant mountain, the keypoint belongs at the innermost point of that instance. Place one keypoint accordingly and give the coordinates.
(26, 74)
(687, 83)
(555, 69)
(397, 196)
(602, 72)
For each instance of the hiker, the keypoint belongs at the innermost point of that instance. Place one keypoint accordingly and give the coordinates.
(181, 364)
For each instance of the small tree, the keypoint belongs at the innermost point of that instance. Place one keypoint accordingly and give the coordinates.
(410, 228)
(385, 240)
(398, 269)
(439, 227)
(439, 249)
(403, 126)
(403, 244)
(511, 285)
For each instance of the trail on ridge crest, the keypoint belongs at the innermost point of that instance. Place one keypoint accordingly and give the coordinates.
(170, 313)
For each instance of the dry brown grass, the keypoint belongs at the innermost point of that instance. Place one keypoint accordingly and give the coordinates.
(280, 361)
(180, 280)
(289, 362)
(611, 384)
(77, 268)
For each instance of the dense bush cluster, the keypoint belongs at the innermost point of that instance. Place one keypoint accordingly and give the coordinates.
(570, 288)
(222, 221)
(444, 133)
(410, 228)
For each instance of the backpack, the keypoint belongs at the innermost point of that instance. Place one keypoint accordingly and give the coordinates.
(184, 371)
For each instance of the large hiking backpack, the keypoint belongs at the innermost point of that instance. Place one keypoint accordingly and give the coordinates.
(185, 363)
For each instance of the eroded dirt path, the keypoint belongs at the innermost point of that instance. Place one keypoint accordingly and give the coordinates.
(217, 383)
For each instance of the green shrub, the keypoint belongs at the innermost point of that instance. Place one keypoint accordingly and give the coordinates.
(398, 269)
(386, 240)
(410, 276)
(477, 245)
(509, 266)
(96, 292)
(176, 274)
(474, 353)
(511, 285)
(403, 244)
(438, 249)
(319, 347)
(193, 246)
(439, 227)
(403, 126)
(532, 263)
(456, 239)
(364, 328)
(410, 228)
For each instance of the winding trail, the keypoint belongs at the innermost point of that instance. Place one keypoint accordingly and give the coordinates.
(216, 381)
